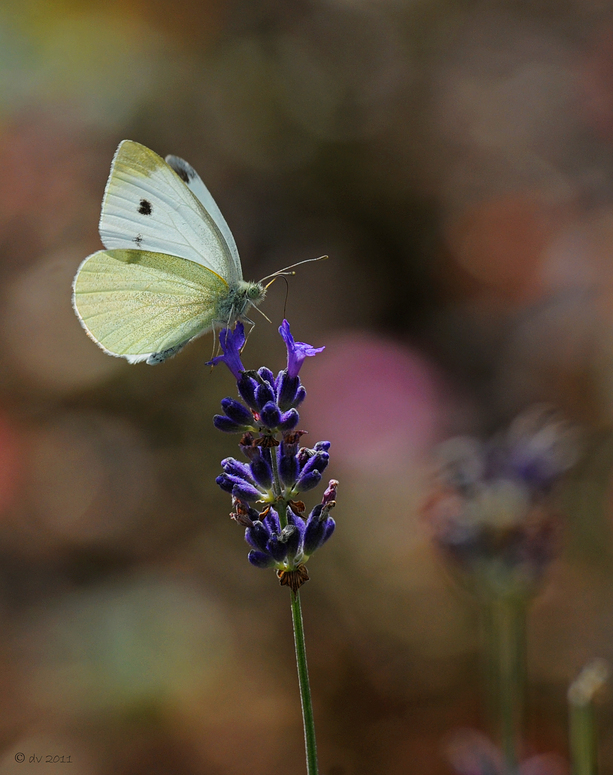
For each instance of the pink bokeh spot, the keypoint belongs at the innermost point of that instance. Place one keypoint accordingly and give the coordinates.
(377, 401)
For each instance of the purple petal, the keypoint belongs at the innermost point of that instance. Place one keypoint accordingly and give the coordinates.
(296, 351)
(231, 343)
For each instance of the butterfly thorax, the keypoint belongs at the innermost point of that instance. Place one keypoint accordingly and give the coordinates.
(241, 295)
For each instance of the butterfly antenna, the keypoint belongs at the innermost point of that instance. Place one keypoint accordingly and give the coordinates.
(286, 296)
(286, 269)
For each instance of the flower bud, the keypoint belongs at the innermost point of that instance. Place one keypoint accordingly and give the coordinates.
(261, 472)
(237, 412)
(264, 394)
(270, 415)
(287, 390)
(258, 536)
(225, 424)
(260, 560)
(267, 375)
(288, 421)
(308, 481)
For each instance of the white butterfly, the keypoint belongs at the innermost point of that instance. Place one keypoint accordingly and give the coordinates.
(170, 270)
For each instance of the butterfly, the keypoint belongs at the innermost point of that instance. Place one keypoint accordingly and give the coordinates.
(170, 271)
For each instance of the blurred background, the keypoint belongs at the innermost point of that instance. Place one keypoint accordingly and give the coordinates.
(455, 160)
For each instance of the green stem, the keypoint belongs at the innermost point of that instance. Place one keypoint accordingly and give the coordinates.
(505, 629)
(308, 721)
(305, 689)
(582, 739)
(582, 722)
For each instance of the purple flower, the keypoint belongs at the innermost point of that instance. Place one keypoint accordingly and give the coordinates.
(232, 342)
(296, 351)
(471, 753)
(492, 512)
(277, 529)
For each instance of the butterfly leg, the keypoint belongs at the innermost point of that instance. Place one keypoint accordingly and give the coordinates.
(252, 324)
(231, 316)
(216, 345)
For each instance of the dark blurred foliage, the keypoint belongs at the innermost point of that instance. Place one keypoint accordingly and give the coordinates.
(455, 161)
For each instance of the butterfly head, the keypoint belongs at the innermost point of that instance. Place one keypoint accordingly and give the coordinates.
(241, 295)
(254, 292)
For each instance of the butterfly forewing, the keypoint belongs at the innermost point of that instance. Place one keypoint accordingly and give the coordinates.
(194, 182)
(148, 207)
(135, 303)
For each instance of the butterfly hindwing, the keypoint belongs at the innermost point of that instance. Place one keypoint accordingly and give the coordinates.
(147, 206)
(138, 304)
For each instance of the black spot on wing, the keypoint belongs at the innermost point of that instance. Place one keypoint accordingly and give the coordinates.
(183, 174)
(138, 240)
(145, 207)
(184, 170)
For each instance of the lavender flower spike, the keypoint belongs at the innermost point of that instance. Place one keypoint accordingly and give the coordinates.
(232, 342)
(296, 351)
(278, 468)
(279, 534)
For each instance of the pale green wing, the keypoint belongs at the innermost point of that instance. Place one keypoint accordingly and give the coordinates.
(147, 206)
(194, 182)
(136, 304)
